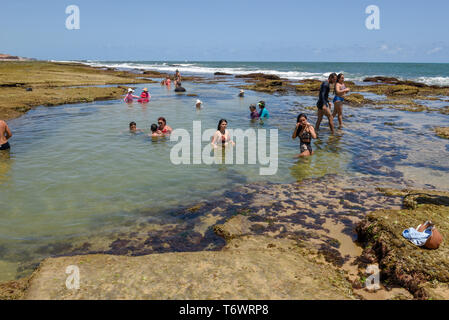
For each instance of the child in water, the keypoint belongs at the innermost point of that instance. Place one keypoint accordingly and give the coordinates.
(155, 132)
(129, 96)
(133, 128)
(254, 114)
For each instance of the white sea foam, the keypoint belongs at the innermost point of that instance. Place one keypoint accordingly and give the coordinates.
(291, 75)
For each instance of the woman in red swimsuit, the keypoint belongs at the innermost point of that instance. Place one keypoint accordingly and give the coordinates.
(145, 96)
(165, 129)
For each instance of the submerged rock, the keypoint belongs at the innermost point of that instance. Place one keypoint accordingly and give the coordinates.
(442, 132)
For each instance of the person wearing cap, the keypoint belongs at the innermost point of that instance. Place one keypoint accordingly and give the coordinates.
(144, 96)
(263, 114)
(129, 96)
(242, 93)
(199, 103)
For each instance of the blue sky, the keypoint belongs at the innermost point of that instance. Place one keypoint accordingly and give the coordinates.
(245, 30)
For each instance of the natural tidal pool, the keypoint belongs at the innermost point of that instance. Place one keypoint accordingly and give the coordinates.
(75, 170)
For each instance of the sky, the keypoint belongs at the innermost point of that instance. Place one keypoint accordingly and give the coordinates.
(211, 30)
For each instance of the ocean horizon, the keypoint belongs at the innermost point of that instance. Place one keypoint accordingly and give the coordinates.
(427, 73)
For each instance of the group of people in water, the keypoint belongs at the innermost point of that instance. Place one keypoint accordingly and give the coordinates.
(303, 129)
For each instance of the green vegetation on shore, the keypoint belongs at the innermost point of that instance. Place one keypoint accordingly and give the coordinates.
(52, 83)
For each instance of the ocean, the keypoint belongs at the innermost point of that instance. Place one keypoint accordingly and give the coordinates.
(428, 73)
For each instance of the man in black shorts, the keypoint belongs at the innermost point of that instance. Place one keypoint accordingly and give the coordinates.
(324, 105)
(5, 134)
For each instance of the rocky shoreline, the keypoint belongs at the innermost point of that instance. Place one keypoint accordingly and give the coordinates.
(264, 234)
(261, 241)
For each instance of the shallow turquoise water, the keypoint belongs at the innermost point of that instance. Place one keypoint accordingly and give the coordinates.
(75, 170)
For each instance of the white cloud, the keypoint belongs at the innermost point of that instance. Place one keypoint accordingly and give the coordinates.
(434, 50)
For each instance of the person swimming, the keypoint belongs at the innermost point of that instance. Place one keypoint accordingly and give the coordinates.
(222, 136)
(133, 128)
(144, 96)
(263, 114)
(254, 114)
(155, 132)
(242, 93)
(179, 88)
(5, 135)
(163, 127)
(129, 98)
(305, 131)
(340, 91)
(323, 104)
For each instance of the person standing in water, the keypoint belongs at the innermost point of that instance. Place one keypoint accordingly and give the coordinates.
(222, 136)
(323, 104)
(144, 96)
(177, 77)
(5, 135)
(263, 114)
(340, 91)
(305, 131)
(254, 114)
(129, 96)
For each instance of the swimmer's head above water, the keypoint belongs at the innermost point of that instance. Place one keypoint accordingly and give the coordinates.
(132, 126)
(154, 127)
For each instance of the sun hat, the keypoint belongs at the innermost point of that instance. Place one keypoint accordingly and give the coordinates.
(145, 89)
(199, 101)
(130, 90)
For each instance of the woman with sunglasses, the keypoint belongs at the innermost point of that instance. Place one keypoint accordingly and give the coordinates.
(163, 127)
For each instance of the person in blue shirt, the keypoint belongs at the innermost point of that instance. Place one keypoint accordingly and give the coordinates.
(263, 114)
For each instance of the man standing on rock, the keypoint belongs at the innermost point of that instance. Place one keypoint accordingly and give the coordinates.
(324, 105)
(5, 134)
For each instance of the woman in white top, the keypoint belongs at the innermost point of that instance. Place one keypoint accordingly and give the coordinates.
(222, 136)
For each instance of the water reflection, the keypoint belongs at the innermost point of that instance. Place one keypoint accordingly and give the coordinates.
(5, 165)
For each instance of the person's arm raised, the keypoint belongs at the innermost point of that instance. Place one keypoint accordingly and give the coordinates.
(295, 132)
(312, 131)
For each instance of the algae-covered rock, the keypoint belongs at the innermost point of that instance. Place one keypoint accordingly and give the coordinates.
(259, 76)
(400, 261)
(442, 132)
(268, 86)
(355, 99)
(309, 86)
